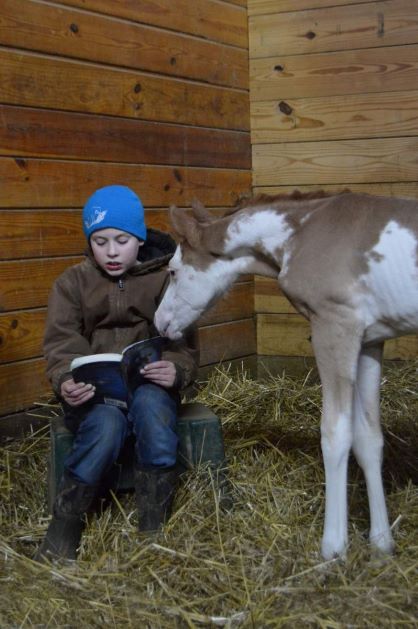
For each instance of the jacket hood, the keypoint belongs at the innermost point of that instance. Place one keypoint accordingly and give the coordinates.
(157, 245)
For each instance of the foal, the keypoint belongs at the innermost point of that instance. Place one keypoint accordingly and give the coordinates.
(349, 264)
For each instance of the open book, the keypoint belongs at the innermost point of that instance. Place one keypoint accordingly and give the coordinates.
(116, 376)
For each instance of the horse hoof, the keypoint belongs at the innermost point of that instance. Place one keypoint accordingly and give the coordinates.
(331, 550)
(382, 544)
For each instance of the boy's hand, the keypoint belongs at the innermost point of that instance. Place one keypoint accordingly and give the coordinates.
(162, 372)
(76, 393)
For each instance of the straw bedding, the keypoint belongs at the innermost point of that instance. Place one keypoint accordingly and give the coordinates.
(257, 566)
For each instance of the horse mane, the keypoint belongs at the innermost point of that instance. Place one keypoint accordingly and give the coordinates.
(296, 195)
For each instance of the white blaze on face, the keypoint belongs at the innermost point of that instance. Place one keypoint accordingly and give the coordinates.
(187, 296)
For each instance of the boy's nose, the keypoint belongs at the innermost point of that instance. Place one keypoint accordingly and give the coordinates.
(112, 251)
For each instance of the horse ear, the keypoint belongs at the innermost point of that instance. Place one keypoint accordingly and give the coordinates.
(185, 226)
(200, 212)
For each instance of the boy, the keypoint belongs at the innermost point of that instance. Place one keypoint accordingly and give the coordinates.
(102, 305)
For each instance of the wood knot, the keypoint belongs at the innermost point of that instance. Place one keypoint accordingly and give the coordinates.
(279, 68)
(74, 28)
(285, 108)
(310, 35)
(173, 61)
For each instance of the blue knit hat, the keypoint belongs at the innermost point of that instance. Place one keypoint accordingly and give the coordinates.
(114, 206)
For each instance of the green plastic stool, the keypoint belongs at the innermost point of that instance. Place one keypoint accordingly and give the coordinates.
(200, 443)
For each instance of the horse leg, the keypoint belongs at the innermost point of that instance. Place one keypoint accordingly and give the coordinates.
(368, 442)
(336, 350)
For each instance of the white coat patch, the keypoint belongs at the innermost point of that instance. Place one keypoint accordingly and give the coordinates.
(266, 227)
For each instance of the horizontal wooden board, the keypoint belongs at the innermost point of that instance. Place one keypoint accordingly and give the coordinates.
(39, 233)
(22, 331)
(31, 183)
(47, 233)
(283, 335)
(402, 348)
(335, 117)
(367, 25)
(237, 303)
(26, 283)
(289, 335)
(227, 341)
(93, 37)
(43, 133)
(32, 80)
(21, 335)
(210, 19)
(398, 189)
(22, 384)
(359, 161)
(268, 298)
(386, 69)
(260, 7)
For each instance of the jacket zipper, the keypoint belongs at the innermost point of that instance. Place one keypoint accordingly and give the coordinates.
(121, 284)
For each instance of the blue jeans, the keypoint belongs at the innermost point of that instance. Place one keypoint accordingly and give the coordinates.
(101, 431)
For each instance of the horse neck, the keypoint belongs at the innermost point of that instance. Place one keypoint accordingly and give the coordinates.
(259, 235)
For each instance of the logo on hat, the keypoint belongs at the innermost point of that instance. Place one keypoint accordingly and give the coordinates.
(98, 217)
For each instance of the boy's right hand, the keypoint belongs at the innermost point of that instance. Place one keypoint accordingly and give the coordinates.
(76, 393)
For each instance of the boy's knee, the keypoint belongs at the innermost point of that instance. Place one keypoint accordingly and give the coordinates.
(108, 424)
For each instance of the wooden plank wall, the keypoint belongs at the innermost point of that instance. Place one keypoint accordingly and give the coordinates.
(153, 95)
(334, 104)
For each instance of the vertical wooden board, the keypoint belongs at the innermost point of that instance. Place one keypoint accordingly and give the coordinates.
(75, 86)
(358, 161)
(260, 7)
(209, 19)
(386, 69)
(94, 37)
(370, 25)
(31, 183)
(335, 117)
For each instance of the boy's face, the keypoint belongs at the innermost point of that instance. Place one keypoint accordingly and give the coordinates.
(115, 251)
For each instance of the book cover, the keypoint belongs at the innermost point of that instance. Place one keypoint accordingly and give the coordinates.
(116, 376)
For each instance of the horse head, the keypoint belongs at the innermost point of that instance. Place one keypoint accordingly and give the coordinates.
(199, 272)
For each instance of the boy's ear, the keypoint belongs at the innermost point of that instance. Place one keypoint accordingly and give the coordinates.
(186, 227)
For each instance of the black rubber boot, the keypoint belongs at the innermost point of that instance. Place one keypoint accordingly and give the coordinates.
(63, 536)
(155, 490)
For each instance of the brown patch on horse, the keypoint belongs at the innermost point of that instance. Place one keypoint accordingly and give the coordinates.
(185, 227)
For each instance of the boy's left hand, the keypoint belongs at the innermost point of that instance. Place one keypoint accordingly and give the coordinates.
(162, 372)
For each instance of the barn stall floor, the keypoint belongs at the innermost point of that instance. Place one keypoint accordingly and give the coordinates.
(257, 566)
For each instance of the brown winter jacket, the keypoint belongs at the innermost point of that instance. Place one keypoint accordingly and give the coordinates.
(90, 312)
